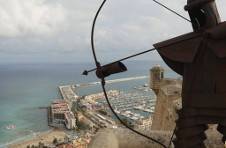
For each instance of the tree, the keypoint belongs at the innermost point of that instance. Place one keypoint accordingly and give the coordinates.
(103, 112)
(55, 141)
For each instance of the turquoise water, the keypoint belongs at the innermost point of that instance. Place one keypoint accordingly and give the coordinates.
(25, 87)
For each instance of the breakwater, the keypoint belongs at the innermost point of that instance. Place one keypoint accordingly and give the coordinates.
(111, 81)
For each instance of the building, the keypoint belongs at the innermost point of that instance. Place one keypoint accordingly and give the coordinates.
(81, 143)
(61, 115)
(144, 124)
(70, 120)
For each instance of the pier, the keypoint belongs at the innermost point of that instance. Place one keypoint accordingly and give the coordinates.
(67, 93)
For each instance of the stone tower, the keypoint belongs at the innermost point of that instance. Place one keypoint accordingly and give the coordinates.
(156, 77)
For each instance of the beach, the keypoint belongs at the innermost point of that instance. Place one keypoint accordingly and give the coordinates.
(44, 137)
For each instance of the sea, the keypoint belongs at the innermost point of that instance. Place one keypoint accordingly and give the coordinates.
(24, 88)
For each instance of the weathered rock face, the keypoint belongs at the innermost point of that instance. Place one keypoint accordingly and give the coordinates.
(105, 139)
(123, 138)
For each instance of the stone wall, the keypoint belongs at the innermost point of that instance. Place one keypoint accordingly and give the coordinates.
(123, 138)
(167, 103)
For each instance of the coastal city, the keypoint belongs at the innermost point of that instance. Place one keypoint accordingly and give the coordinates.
(112, 74)
(90, 113)
(75, 119)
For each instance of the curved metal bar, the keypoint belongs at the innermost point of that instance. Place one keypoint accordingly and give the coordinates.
(92, 34)
(121, 121)
(98, 67)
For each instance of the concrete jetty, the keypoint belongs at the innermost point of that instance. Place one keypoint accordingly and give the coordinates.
(67, 93)
(112, 81)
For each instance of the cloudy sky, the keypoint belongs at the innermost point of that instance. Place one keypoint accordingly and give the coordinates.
(59, 30)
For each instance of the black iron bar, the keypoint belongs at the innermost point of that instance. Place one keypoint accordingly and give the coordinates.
(120, 60)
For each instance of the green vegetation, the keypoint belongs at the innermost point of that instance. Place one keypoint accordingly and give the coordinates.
(103, 112)
(82, 125)
(55, 141)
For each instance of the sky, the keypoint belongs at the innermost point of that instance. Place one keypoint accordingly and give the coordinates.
(59, 30)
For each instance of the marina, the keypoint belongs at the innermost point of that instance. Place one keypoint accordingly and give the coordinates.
(131, 100)
(135, 106)
(131, 115)
(151, 110)
(92, 109)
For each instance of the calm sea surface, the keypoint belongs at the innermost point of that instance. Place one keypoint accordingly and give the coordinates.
(25, 87)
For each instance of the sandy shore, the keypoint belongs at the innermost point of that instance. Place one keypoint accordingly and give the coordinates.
(45, 137)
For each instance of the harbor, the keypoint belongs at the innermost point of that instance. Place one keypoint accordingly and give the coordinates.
(139, 100)
(80, 117)
(135, 106)
(67, 92)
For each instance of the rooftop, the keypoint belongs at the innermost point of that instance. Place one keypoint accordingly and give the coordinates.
(59, 106)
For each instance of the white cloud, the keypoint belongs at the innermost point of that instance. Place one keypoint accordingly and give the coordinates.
(124, 27)
(25, 17)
